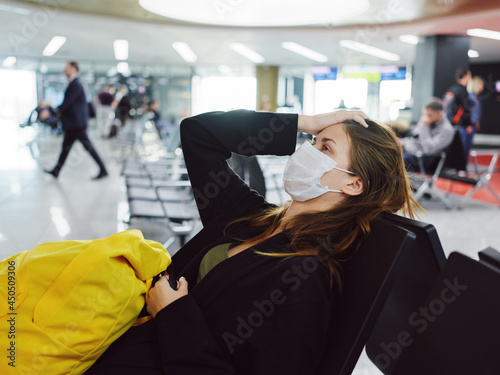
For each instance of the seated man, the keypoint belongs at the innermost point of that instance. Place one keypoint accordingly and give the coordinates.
(432, 134)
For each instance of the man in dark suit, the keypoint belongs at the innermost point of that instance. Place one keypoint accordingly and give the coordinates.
(74, 113)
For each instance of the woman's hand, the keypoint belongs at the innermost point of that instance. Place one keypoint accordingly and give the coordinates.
(162, 294)
(315, 124)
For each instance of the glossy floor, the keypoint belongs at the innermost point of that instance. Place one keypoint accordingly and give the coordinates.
(37, 208)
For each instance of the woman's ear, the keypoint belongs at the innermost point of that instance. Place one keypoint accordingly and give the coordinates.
(354, 187)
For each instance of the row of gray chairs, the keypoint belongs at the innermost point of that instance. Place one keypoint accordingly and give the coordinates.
(161, 190)
(451, 165)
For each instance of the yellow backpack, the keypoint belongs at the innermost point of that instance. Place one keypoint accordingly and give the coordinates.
(63, 303)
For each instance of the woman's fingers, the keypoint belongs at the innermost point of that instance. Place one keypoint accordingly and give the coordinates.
(182, 285)
(358, 116)
(162, 295)
(315, 124)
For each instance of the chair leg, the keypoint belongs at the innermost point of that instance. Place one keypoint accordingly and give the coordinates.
(443, 197)
(422, 189)
(494, 193)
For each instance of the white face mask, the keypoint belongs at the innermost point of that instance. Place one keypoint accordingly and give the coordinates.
(303, 172)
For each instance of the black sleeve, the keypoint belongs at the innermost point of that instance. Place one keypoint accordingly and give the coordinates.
(194, 350)
(208, 141)
(290, 339)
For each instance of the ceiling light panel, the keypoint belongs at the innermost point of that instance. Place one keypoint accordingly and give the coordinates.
(482, 33)
(54, 45)
(410, 39)
(473, 54)
(369, 50)
(9, 61)
(120, 47)
(185, 51)
(304, 51)
(247, 52)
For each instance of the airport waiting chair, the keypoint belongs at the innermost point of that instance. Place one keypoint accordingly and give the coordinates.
(452, 160)
(478, 179)
(420, 270)
(456, 331)
(368, 276)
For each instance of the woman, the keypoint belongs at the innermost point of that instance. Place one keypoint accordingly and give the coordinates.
(262, 279)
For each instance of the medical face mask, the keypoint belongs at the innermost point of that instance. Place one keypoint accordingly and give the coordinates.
(303, 172)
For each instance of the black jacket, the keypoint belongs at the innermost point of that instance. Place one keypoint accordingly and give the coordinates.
(457, 105)
(251, 314)
(74, 110)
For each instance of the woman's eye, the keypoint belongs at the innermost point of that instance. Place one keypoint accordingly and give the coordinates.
(325, 148)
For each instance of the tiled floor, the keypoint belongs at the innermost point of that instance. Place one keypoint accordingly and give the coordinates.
(36, 208)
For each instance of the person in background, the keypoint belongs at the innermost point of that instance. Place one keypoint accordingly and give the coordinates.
(457, 103)
(123, 105)
(45, 114)
(432, 134)
(105, 114)
(475, 87)
(154, 108)
(73, 113)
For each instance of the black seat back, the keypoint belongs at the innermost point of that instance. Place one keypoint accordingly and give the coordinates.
(419, 272)
(457, 331)
(368, 277)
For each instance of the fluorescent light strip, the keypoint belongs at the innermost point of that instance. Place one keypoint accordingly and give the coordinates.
(369, 50)
(482, 33)
(246, 52)
(473, 54)
(54, 45)
(185, 51)
(304, 51)
(121, 49)
(9, 61)
(410, 39)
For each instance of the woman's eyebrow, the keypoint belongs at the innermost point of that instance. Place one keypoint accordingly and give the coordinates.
(328, 140)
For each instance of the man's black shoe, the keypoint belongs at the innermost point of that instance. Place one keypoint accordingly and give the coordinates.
(101, 174)
(52, 172)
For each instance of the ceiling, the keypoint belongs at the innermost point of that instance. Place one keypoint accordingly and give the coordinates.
(91, 26)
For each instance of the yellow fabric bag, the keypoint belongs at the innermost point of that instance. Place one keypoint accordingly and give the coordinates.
(63, 303)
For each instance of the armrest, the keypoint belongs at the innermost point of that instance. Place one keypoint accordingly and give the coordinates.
(490, 169)
(171, 183)
(490, 256)
(421, 157)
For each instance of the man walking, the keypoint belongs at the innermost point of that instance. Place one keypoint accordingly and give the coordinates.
(74, 117)
(458, 105)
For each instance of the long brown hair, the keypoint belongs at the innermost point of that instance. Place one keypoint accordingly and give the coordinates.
(377, 159)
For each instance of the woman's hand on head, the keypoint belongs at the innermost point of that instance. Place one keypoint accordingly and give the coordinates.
(162, 294)
(315, 124)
